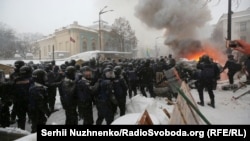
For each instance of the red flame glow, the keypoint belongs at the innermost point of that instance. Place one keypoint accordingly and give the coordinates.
(214, 53)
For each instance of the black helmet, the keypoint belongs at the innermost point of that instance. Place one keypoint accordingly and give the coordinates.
(63, 67)
(56, 69)
(72, 62)
(205, 58)
(108, 73)
(85, 68)
(117, 70)
(70, 72)
(48, 67)
(39, 76)
(78, 67)
(86, 72)
(25, 71)
(18, 64)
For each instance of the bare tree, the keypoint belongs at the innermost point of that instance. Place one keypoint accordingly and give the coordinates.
(11, 42)
(126, 35)
(26, 41)
(7, 41)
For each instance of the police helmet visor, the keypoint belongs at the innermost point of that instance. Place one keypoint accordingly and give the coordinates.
(110, 74)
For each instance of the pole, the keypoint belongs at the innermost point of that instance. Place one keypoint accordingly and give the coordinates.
(100, 40)
(229, 23)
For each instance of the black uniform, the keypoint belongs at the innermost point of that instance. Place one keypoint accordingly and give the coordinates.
(67, 91)
(207, 76)
(84, 101)
(38, 106)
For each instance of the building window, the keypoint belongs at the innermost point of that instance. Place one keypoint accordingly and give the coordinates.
(107, 46)
(67, 46)
(84, 46)
(49, 49)
(243, 38)
(93, 45)
(44, 51)
(243, 26)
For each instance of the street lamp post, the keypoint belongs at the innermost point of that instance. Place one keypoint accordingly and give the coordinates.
(100, 34)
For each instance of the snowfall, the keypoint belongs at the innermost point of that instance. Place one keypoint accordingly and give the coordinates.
(227, 111)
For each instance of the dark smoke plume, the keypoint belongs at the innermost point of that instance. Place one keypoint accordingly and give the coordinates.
(180, 18)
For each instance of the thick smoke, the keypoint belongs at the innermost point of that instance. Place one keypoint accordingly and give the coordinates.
(180, 18)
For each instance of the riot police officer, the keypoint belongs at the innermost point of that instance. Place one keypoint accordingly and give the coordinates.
(120, 89)
(67, 91)
(38, 96)
(84, 96)
(22, 85)
(105, 98)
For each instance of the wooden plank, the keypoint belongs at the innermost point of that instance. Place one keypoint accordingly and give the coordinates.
(182, 112)
(145, 119)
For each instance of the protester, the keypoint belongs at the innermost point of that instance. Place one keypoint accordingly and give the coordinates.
(243, 47)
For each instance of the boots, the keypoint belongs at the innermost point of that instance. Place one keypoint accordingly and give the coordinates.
(211, 103)
(200, 103)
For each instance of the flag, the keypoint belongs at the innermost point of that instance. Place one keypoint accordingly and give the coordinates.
(72, 40)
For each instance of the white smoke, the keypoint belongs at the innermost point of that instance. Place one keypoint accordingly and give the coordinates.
(180, 18)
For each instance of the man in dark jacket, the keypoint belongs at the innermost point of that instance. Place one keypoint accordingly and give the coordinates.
(84, 96)
(147, 77)
(207, 76)
(232, 67)
(67, 91)
(38, 96)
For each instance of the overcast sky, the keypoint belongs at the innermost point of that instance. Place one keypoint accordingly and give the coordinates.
(44, 16)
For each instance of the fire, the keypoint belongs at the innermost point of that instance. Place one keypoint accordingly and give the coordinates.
(214, 53)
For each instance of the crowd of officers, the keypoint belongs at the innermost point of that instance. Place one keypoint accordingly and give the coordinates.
(31, 89)
(30, 92)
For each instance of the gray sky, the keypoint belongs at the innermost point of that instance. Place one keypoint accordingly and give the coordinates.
(44, 16)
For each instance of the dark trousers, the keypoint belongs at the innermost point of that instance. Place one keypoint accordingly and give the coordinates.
(149, 86)
(132, 88)
(201, 85)
(52, 97)
(86, 112)
(231, 77)
(37, 118)
(71, 116)
(105, 111)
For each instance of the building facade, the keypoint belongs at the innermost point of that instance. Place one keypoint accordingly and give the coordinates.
(74, 39)
(240, 25)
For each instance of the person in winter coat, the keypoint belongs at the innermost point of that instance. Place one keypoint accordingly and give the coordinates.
(105, 98)
(120, 89)
(67, 91)
(147, 78)
(84, 96)
(232, 67)
(132, 80)
(21, 94)
(13, 76)
(38, 100)
(207, 76)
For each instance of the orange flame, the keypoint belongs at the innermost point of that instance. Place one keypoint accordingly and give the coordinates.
(214, 53)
